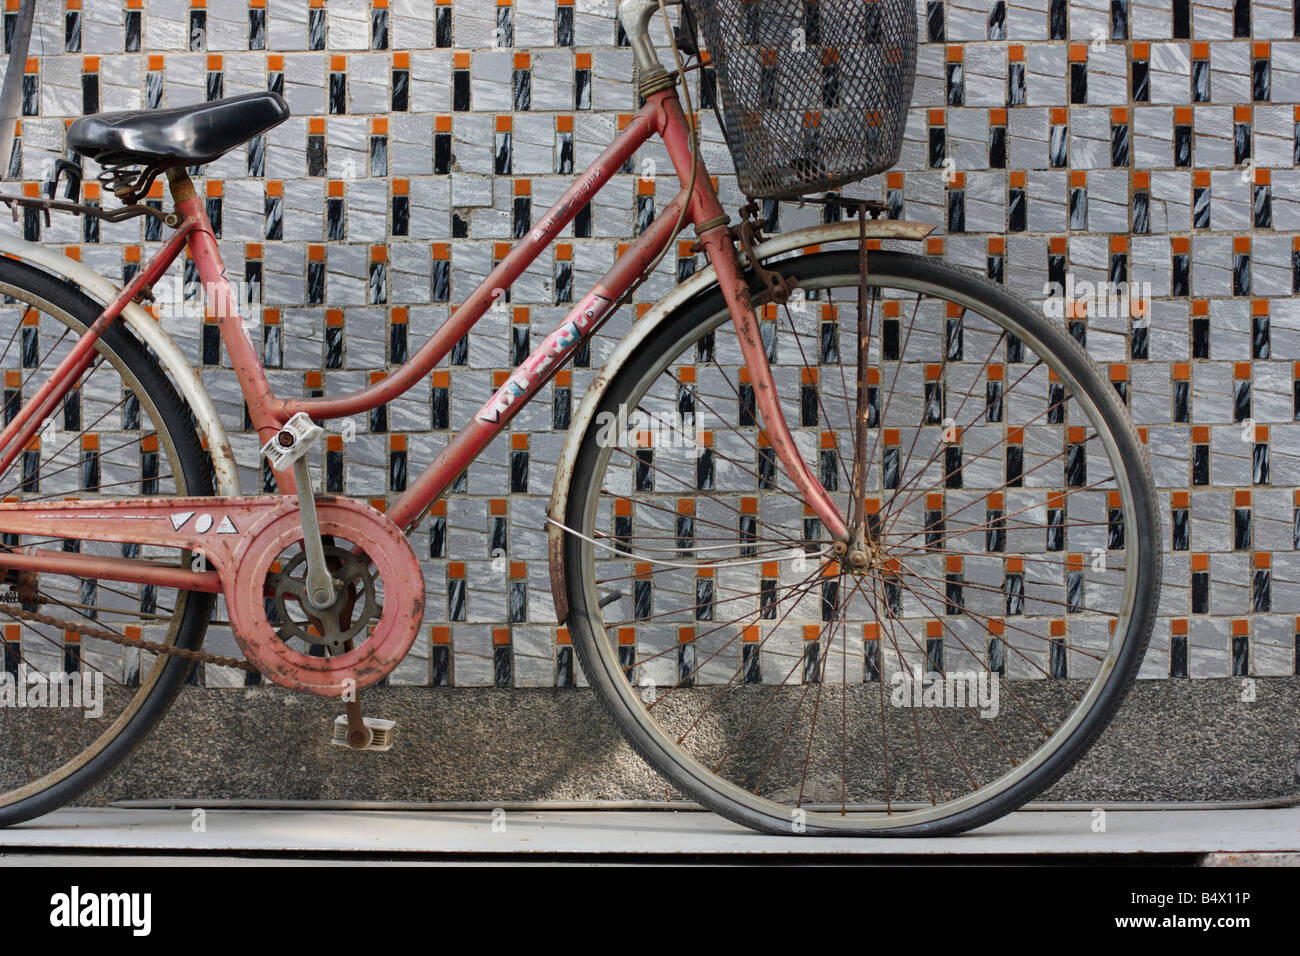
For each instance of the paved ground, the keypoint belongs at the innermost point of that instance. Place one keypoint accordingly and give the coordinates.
(169, 835)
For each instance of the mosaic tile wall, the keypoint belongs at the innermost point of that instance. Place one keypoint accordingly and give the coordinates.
(1054, 141)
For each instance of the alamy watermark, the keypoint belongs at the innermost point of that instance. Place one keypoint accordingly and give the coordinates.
(1112, 300)
(175, 298)
(31, 689)
(978, 690)
(76, 909)
(638, 429)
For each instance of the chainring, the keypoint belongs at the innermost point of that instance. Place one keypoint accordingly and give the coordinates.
(355, 607)
(380, 633)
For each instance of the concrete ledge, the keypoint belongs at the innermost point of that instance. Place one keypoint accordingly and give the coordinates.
(633, 834)
(1251, 859)
(1171, 741)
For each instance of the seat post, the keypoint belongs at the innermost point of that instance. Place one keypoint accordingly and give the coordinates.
(180, 184)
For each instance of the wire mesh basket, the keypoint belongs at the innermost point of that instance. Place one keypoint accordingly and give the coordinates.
(814, 93)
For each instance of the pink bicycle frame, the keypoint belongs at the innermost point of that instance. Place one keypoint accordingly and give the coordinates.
(661, 115)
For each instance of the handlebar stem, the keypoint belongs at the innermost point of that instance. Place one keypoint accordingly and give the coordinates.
(635, 16)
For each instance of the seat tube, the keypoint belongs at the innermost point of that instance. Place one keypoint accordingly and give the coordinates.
(222, 302)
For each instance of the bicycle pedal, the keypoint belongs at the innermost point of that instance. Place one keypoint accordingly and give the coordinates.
(381, 731)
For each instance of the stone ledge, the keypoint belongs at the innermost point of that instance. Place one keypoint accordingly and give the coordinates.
(1171, 741)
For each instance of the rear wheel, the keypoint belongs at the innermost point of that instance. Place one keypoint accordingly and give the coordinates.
(123, 432)
(999, 603)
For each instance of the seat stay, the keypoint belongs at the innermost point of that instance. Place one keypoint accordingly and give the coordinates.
(37, 409)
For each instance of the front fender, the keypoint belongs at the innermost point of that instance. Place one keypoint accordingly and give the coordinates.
(645, 326)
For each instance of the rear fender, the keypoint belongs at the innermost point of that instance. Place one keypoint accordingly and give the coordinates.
(151, 333)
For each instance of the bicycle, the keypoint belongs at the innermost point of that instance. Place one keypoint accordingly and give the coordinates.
(978, 528)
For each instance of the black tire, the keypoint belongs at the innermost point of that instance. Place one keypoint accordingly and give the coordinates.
(191, 472)
(605, 671)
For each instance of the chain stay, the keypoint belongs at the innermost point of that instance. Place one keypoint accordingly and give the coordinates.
(199, 657)
(171, 521)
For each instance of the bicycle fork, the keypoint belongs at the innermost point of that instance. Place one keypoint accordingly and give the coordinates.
(716, 238)
(735, 289)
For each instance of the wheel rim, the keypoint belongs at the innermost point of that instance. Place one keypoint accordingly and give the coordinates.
(42, 746)
(705, 735)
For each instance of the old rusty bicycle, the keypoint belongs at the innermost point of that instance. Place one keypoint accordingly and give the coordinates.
(849, 541)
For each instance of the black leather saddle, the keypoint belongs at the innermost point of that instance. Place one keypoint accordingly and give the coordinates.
(179, 136)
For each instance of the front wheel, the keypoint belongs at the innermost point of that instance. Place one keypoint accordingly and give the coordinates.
(997, 608)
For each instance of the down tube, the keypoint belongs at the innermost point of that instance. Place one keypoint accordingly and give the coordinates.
(583, 320)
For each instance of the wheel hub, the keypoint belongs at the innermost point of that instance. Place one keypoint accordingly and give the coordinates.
(863, 553)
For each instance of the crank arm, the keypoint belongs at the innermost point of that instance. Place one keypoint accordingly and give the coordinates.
(288, 448)
(320, 584)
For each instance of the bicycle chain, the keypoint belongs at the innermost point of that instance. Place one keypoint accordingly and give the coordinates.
(199, 657)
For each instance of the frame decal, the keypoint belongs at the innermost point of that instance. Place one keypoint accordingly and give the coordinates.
(557, 345)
